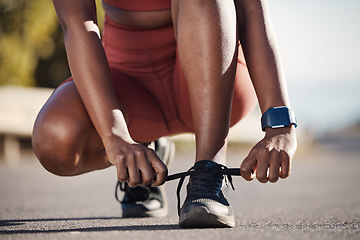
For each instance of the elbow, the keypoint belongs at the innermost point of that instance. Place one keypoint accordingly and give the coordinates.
(79, 26)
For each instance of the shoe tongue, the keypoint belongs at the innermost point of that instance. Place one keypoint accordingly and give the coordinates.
(204, 164)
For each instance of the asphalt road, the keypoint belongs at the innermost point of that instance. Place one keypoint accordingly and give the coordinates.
(320, 200)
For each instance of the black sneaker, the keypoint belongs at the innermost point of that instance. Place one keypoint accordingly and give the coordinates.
(206, 204)
(147, 201)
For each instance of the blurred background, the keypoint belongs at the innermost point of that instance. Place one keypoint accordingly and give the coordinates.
(319, 44)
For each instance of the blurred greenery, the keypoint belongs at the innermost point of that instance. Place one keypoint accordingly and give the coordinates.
(31, 42)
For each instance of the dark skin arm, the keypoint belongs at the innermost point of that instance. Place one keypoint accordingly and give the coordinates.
(275, 151)
(135, 163)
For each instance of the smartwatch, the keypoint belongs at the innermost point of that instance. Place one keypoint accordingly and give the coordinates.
(278, 117)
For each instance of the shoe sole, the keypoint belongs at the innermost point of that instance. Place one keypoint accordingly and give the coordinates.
(200, 217)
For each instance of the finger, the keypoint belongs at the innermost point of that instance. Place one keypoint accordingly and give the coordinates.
(248, 166)
(285, 166)
(133, 170)
(274, 167)
(262, 170)
(161, 171)
(121, 169)
(147, 171)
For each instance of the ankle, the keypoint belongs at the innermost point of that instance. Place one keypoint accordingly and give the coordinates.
(219, 158)
(217, 155)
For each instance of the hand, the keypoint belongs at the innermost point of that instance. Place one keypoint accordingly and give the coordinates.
(271, 158)
(136, 164)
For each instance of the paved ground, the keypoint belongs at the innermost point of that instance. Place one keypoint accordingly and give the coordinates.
(321, 200)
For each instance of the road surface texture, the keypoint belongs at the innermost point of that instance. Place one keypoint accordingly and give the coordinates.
(320, 200)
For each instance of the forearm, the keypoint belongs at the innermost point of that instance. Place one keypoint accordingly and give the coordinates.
(91, 75)
(261, 54)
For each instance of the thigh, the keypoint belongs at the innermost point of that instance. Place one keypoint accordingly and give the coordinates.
(145, 119)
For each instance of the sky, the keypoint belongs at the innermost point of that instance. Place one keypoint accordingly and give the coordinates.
(320, 47)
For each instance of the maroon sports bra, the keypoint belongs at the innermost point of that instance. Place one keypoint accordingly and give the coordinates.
(140, 5)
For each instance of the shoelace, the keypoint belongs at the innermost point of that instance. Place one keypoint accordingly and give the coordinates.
(192, 171)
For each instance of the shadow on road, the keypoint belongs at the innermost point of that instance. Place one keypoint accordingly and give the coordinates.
(30, 226)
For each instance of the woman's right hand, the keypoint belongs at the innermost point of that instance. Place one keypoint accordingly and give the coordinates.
(136, 164)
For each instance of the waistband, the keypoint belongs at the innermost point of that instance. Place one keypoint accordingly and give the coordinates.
(140, 5)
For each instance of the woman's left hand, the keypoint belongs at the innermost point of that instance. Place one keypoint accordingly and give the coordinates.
(271, 158)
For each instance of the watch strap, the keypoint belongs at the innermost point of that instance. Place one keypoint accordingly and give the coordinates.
(278, 117)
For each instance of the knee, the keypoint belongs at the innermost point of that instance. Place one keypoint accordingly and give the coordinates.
(55, 145)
